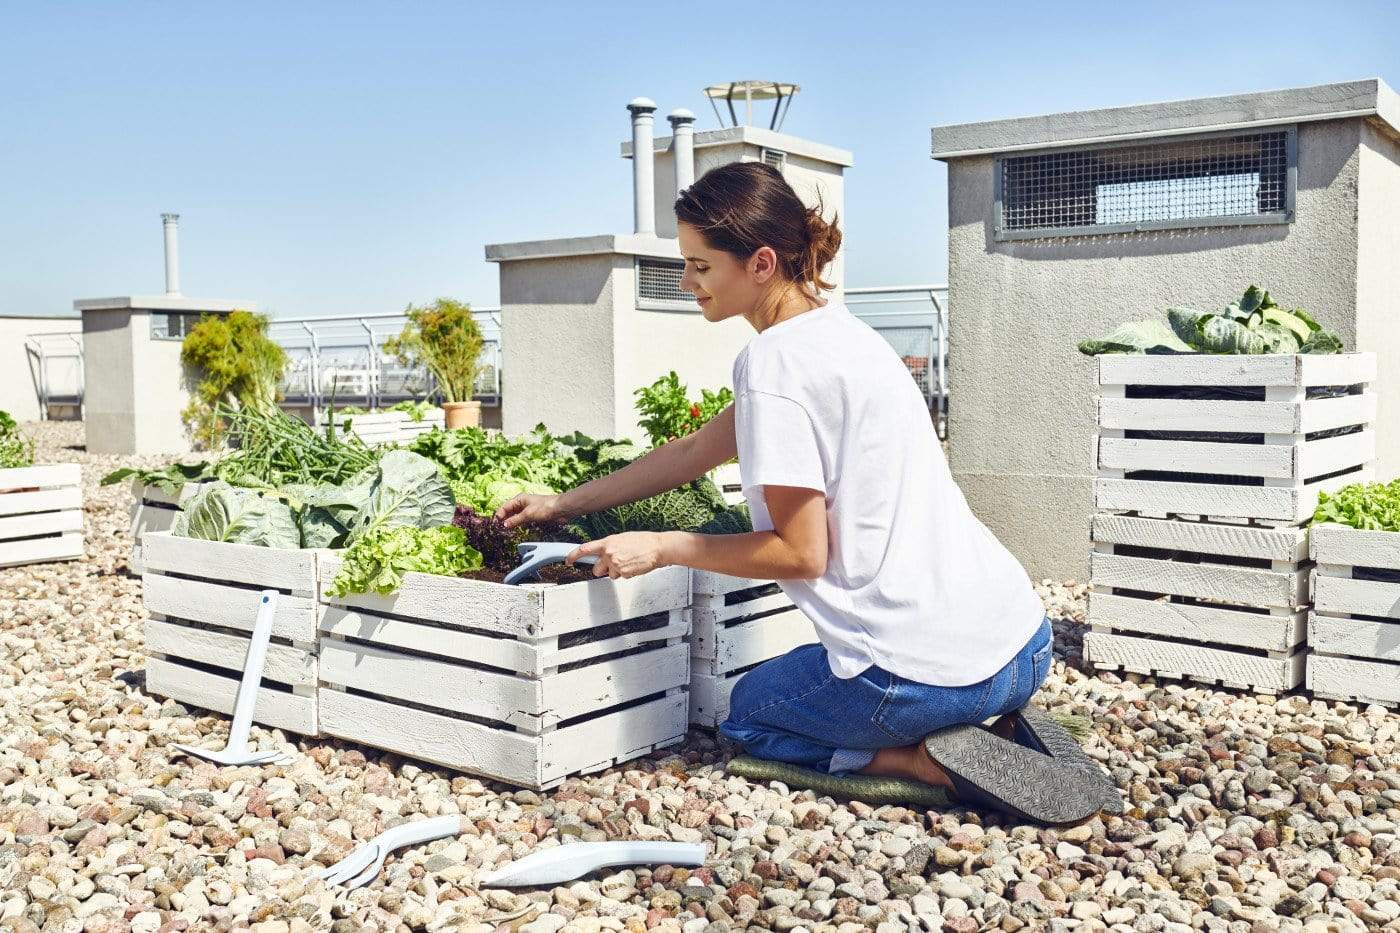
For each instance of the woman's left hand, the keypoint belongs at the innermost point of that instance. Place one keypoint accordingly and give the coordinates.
(620, 556)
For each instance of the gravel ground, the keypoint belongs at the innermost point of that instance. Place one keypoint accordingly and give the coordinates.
(1247, 813)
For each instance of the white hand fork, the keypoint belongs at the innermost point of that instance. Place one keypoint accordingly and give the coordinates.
(362, 866)
(566, 862)
(537, 554)
(237, 751)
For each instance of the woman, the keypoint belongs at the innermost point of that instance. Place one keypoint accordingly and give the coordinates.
(925, 620)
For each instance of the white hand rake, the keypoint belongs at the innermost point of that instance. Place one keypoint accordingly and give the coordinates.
(236, 752)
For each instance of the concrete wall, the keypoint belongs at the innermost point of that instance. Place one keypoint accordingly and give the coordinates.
(1378, 282)
(556, 343)
(19, 371)
(1022, 415)
(136, 385)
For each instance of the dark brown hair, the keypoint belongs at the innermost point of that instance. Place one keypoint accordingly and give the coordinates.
(742, 206)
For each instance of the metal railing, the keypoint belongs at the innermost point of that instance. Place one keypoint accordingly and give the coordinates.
(341, 359)
(44, 350)
(918, 334)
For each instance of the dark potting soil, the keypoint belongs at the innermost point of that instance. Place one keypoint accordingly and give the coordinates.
(554, 573)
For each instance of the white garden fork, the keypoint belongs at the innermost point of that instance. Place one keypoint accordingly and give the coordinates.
(236, 752)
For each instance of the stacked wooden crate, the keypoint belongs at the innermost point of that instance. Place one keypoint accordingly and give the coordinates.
(1208, 467)
(726, 477)
(387, 427)
(41, 514)
(154, 509)
(736, 625)
(527, 684)
(1354, 627)
(202, 598)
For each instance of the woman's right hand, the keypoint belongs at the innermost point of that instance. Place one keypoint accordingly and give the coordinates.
(528, 508)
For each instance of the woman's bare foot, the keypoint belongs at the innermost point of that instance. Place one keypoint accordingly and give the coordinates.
(909, 761)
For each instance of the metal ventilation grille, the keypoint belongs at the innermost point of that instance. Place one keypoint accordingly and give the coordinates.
(660, 280)
(776, 158)
(1222, 179)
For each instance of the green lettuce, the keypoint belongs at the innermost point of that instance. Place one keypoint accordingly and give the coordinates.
(220, 512)
(378, 560)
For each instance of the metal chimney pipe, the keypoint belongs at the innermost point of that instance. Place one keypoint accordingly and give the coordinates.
(172, 253)
(683, 146)
(643, 194)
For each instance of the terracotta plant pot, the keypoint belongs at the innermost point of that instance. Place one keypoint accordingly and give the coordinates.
(462, 414)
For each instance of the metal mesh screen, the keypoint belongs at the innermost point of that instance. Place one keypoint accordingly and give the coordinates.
(660, 280)
(1161, 184)
(914, 345)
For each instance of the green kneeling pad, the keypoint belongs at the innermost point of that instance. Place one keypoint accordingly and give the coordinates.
(873, 790)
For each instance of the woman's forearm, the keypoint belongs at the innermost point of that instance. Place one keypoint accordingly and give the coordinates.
(658, 471)
(761, 555)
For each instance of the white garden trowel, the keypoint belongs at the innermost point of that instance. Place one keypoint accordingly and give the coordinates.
(237, 751)
(537, 554)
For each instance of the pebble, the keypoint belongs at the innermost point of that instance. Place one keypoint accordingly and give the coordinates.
(1245, 813)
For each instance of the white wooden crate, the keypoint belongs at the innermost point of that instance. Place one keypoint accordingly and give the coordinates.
(154, 509)
(526, 684)
(1354, 628)
(41, 514)
(726, 477)
(202, 598)
(388, 427)
(1210, 602)
(1185, 476)
(736, 624)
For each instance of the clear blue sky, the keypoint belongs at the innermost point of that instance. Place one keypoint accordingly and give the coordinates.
(352, 157)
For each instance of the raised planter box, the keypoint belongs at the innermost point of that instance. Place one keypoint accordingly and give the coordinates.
(202, 598)
(1210, 602)
(388, 427)
(41, 514)
(525, 684)
(1176, 437)
(154, 509)
(1354, 628)
(736, 624)
(726, 477)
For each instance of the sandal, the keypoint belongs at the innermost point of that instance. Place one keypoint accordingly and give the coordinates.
(1038, 730)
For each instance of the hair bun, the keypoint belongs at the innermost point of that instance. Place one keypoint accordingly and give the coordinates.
(823, 242)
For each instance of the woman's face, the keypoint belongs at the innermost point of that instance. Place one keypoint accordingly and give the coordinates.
(723, 284)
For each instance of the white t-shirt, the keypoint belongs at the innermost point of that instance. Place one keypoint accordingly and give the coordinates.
(914, 582)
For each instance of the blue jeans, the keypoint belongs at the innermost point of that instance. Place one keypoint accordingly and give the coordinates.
(794, 709)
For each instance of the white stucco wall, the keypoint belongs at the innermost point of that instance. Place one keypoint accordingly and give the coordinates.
(1022, 409)
(1378, 283)
(19, 371)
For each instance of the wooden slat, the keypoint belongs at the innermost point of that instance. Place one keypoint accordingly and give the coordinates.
(41, 523)
(526, 703)
(264, 567)
(1197, 623)
(716, 614)
(1170, 414)
(1317, 458)
(709, 698)
(46, 500)
(516, 758)
(1344, 595)
(574, 606)
(1289, 544)
(285, 664)
(1277, 503)
(47, 476)
(216, 692)
(228, 606)
(1324, 414)
(1354, 680)
(1231, 370)
(733, 646)
(1266, 460)
(67, 546)
(521, 656)
(705, 583)
(1197, 662)
(1341, 544)
(1357, 638)
(1243, 586)
(157, 496)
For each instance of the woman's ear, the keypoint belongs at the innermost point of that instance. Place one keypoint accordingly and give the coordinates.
(763, 264)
